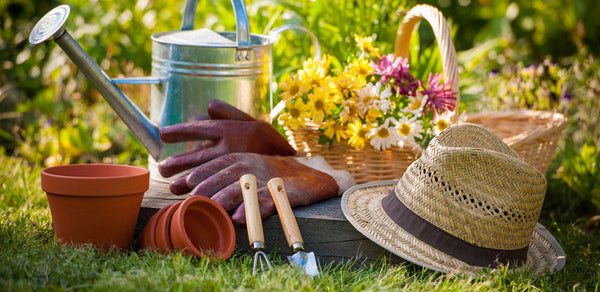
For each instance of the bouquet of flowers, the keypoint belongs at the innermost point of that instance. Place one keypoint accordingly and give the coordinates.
(374, 100)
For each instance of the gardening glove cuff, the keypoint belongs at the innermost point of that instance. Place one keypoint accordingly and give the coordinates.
(343, 178)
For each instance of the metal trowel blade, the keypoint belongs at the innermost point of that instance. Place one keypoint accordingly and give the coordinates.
(305, 262)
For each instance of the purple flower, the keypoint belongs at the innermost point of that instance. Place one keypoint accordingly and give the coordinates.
(439, 96)
(47, 123)
(395, 69)
(406, 84)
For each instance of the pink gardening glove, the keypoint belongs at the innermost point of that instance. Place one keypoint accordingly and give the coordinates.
(219, 179)
(230, 130)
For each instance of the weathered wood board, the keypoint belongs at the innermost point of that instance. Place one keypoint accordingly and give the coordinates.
(325, 230)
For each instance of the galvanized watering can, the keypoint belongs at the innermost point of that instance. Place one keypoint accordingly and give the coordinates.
(189, 68)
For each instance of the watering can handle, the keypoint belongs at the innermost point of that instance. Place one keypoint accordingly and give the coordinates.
(241, 20)
(275, 33)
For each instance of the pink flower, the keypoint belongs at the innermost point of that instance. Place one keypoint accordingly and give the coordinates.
(396, 69)
(390, 67)
(439, 96)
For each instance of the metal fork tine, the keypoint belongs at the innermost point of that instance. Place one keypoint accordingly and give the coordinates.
(261, 258)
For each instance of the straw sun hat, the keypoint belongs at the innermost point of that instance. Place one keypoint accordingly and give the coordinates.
(467, 204)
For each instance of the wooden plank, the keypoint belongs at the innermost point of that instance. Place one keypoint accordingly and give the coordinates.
(325, 230)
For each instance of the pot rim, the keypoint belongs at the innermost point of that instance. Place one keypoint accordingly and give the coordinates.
(162, 228)
(150, 231)
(179, 216)
(56, 180)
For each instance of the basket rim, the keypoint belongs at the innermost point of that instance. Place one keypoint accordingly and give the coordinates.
(313, 127)
(556, 120)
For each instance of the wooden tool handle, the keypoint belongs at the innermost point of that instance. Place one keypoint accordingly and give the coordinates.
(286, 216)
(253, 220)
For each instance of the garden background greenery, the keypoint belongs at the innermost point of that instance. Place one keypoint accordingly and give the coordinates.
(543, 54)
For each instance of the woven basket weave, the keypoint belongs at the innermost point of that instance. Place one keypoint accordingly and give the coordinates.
(532, 134)
(364, 165)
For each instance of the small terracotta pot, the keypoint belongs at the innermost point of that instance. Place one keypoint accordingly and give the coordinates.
(95, 203)
(162, 232)
(201, 227)
(147, 239)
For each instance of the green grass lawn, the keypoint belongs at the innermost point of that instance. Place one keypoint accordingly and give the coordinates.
(31, 259)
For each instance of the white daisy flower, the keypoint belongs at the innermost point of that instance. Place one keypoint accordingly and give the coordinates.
(368, 92)
(371, 96)
(416, 104)
(384, 136)
(350, 110)
(408, 129)
(442, 122)
(383, 103)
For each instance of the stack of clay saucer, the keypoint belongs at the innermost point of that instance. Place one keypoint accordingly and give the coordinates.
(196, 226)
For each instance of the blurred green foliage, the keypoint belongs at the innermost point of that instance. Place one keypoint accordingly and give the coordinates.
(49, 113)
(543, 86)
(541, 27)
(581, 172)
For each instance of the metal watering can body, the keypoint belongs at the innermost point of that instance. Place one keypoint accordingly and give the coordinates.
(187, 72)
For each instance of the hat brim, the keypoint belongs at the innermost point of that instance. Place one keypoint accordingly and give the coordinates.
(362, 207)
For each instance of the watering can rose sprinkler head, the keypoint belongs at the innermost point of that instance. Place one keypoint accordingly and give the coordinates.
(51, 26)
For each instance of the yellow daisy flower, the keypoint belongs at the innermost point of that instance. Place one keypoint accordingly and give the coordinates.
(350, 110)
(315, 78)
(332, 128)
(320, 104)
(365, 44)
(360, 67)
(296, 114)
(292, 87)
(312, 65)
(358, 133)
(372, 115)
(346, 84)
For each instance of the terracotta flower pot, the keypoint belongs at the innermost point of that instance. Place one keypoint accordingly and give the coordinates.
(95, 203)
(147, 239)
(162, 232)
(201, 227)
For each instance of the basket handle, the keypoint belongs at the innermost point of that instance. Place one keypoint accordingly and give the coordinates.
(442, 36)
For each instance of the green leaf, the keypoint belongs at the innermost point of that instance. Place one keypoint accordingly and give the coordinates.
(595, 196)
(588, 153)
(325, 140)
(6, 135)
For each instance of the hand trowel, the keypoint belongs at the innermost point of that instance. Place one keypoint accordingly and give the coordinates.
(301, 259)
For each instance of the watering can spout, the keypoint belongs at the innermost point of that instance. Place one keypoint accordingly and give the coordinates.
(51, 27)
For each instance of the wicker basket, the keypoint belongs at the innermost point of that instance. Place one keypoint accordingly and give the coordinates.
(532, 134)
(364, 165)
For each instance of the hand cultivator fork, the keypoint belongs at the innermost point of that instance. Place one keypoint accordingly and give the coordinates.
(254, 222)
